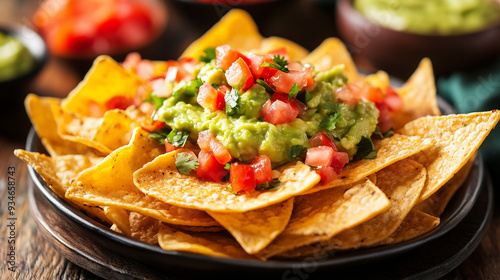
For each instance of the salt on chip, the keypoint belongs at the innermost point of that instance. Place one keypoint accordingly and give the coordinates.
(255, 229)
(389, 151)
(436, 203)
(457, 139)
(105, 80)
(236, 28)
(415, 224)
(332, 52)
(418, 95)
(39, 110)
(160, 179)
(295, 51)
(402, 183)
(217, 244)
(111, 184)
(319, 216)
(59, 171)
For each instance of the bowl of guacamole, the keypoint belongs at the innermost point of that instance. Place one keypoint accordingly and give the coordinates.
(395, 35)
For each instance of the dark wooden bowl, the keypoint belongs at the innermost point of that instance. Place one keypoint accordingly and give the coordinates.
(399, 52)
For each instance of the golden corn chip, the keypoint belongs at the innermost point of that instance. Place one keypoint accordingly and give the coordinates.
(236, 28)
(161, 179)
(59, 171)
(436, 203)
(418, 95)
(415, 224)
(111, 184)
(389, 151)
(39, 110)
(135, 225)
(295, 51)
(105, 80)
(255, 229)
(319, 216)
(457, 139)
(104, 134)
(218, 244)
(402, 183)
(332, 52)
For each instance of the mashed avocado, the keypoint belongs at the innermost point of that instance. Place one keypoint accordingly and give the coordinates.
(431, 16)
(15, 59)
(246, 135)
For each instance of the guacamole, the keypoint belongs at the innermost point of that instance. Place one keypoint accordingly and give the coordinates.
(431, 17)
(15, 59)
(245, 134)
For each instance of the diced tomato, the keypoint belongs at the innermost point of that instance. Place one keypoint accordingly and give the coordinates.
(263, 169)
(209, 168)
(169, 147)
(225, 56)
(281, 112)
(118, 102)
(283, 82)
(242, 177)
(339, 160)
(393, 100)
(327, 174)
(322, 139)
(349, 94)
(153, 126)
(301, 106)
(208, 142)
(281, 52)
(319, 156)
(308, 70)
(384, 119)
(181, 70)
(373, 94)
(239, 75)
(210, 98)
(145, 69)
(204, 138)
(161, 88)
(256, 61)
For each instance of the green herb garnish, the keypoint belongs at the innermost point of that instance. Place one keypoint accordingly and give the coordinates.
(280, 63)
(232, 102)
(328, 122)
(383, 135)
(366, 149)
(269, 186)
(208, 55)
(178, 138)
(293, 91)
(295, 151)
(160, 135)
(268, 88)
(185, 163)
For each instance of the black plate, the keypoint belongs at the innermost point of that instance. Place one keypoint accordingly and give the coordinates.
(194, 264)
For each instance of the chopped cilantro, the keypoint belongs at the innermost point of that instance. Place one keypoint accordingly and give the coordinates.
(160, 135)
(308, 96)
(185, 163)
(209, 55)
(332, 107)
(156, 101)
(280, 63)
(328, 122)
(178, 138)
(227, 166)
(366, 149)
(295, 151)
(268, 88)
(383, 135)
(232, 102)
(269, 186)
(293, 91)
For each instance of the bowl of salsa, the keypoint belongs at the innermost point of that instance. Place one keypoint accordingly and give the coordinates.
(396, 35)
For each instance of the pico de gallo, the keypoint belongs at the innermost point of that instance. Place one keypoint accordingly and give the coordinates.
(241, 115)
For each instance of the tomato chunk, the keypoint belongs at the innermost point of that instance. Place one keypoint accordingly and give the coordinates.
(208, 142)
(239, 75)
(322, 139)
(283, 82)
(210, 98)
(256, 61)
(339, 160)
(319, 156)
(119, 102)
(153, 126)
(225, 56)
(280, 112)
(263, 169)
(242, 177)
(349, 94)
(209, 168)
(327, 174)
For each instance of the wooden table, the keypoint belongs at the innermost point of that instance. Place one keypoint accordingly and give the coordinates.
(36, 259)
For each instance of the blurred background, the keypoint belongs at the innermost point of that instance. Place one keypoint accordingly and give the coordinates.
(46, 47)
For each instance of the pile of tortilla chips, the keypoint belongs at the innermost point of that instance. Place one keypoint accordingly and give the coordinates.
(106, 165)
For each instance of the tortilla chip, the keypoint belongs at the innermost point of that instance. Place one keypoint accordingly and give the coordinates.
(111, 184)
(319, 216)
(389, 151)
(105, 80)
(58, 172)
(402, 183)
(236, 28)
(436, 203)
(415, 224)
(332, 52)
(134, 225)
(218, 244)
(102, 134)
(161, 179)
(457, 139)
(295, 51)
(39, 110)
(418, 95)
(255, 229)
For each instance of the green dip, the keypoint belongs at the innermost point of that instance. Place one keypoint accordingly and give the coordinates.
(15, 59)
(246, 135)
(432, 16)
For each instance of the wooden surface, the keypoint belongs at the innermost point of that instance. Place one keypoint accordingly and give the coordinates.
(305, 22)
